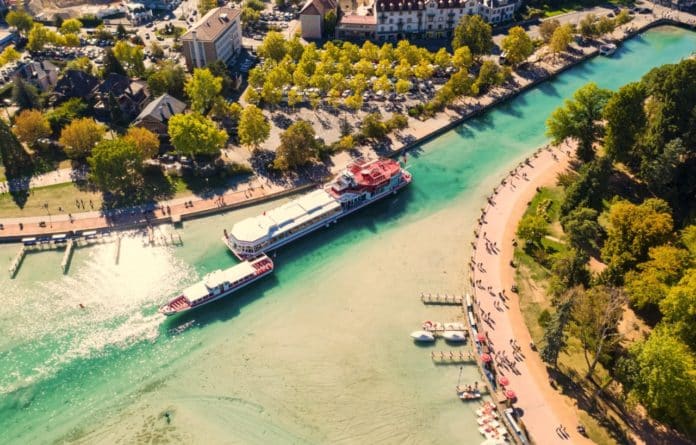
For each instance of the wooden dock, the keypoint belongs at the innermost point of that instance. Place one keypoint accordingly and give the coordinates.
(454, 357)
(442, 299)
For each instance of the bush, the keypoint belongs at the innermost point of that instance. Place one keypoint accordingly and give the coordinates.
(544, 318)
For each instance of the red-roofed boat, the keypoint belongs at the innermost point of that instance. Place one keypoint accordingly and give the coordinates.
(359, 184)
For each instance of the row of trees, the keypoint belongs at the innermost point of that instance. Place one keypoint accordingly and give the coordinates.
(649, 248)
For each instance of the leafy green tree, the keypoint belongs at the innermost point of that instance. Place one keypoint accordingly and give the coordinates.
(30, 126)
(298, 145)
(532, 229)
(398, 121)
(679, 308)
(354, 102)
(206, 5)
(605, 25)
(589, 188)
(442, 58)
(665, 383)
(253, 127)
(632, 230)
(21, 20)
(81, 64)
(403, 86)
(9, 55)
(580, 119)
(596, 314)
(518, 46)
(423, 70)
(582, 229)
(569, 270)
(625, 121)
(116, 166)
(131, 57)
(71, 26)
(169, 78)
(250, 15)
(473, 32)
(80, 136)
(588, 26)
(66, 112)
(372, 126)
(330, 21)
(25, 95)
(39, 36)
(144, 140)
(273, 46)
(121, 32)
(547, 28)
(561, 39)
(202, 88)
(193, 134)
(112, 64)
(555, 331)
(649, 285)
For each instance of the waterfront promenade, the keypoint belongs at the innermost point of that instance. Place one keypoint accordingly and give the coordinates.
(543, 408)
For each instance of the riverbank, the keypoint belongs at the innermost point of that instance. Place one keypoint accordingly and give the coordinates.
(543, 408)
(258, 189)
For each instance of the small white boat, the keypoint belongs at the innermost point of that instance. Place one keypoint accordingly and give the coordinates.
(423, 336)
(607, 49)
(454, 336)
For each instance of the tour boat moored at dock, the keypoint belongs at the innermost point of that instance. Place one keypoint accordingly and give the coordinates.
(360, 184)
(218, 284)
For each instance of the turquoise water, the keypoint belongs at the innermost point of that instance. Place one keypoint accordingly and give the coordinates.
(317, 353)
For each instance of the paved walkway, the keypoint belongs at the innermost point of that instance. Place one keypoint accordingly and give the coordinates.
(543, 408)
(54, 177)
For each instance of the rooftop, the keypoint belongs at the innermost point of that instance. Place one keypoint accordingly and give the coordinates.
(213, 279)
(162, 108)
(285, 217)
(213, 24)
(353, 19)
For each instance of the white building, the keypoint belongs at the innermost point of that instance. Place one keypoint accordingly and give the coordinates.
(137, 13)
(400, 19)
(216, 36)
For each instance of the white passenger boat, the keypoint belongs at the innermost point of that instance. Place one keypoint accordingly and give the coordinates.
(423, 336)
(219, 284)
(607, 49)
(360, 184)
(454, 336)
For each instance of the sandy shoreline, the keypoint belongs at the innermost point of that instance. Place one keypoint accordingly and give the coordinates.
(544, 408)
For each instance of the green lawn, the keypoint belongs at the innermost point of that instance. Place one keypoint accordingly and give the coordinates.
(59, 195)
(565, 6)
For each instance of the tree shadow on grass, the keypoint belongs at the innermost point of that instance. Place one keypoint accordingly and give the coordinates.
(19, 168)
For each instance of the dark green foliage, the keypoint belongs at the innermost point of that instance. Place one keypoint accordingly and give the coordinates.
(554, 331)
(112, 64)
(589, 188)
(61, 116)
(582, 229)
(25, 95)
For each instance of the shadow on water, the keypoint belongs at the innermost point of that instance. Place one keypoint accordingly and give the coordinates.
(548, 89)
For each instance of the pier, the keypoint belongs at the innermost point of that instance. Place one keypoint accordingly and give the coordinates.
(67, 256)
(17, 261)
(446, 299)
(455, 357)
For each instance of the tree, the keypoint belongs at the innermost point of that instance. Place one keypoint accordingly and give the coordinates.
(202, 88)
(402, 86)
(21, 20)
(532, 228)
(250, 15)
(582, 229)
(579, 119)
(569, 270)
(253, 127)
(39, 36)
(354, 102)
(330, 20)
(605, 25)
(273, 46)
(442, 58)
(473, 32)
(25, 95)
(547, 29)
(9, 55)
(398, 121)
(423, 70)
(462, 58)
(30, 126)
(625, 120)
(168, 78)
(130, 56)
(665, 383)
(80, 136)
(116, 166)
(112, 64)
(561, 39)
(63, 114)
(70, 26)
(555, 331)
(206, 5)
(589, 188)
(679, 308)
(81, 64)
(649, 285)
(144, 140)
(588, 26)
(298, 144)
(372, 126)
(517, 45)
(193, 134)
(121, 32)
(632, 230)
(490, 74)
(596, 314)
